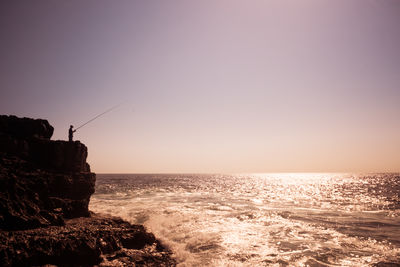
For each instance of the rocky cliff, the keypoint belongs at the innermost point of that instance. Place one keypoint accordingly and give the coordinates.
(45, 188)
(41, 181)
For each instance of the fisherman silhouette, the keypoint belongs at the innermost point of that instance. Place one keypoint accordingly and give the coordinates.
(71, 133)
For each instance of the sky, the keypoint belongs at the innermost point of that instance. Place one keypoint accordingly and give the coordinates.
(210, 86)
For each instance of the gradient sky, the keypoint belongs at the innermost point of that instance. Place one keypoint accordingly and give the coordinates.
(211, 86)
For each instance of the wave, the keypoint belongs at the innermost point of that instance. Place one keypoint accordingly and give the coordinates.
(212, 223)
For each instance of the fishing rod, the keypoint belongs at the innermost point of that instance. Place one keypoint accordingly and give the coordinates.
(101, 114)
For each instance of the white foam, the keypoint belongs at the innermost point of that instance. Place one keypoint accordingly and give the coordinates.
(230, 225)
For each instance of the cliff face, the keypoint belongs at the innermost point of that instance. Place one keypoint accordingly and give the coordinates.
(41, 181)
(45, 188)
(29, 139)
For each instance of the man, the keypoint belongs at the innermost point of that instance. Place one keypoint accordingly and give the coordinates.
(71, 133)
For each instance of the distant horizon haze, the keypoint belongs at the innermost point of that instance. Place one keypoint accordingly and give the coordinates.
(210, 86)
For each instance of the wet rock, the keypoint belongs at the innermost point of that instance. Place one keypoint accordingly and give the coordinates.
(84, 241)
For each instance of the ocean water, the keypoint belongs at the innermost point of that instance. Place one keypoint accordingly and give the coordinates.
(262, 219)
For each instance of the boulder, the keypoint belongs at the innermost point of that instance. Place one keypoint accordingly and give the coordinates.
(25, 127)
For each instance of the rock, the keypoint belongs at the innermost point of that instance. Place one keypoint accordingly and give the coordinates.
(25, 127)
(60, 155)
(41, 181)
(55, 155)
(84, 241)
(45, 189)
(32, 197)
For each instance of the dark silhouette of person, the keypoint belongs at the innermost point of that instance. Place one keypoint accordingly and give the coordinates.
(71, 133)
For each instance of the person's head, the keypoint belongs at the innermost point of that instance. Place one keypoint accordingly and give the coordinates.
(71, 126)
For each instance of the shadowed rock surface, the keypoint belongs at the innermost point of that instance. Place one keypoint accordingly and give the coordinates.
(25, 127)
(84, 241)
(32, 197)
(41, 181)
(45, 189)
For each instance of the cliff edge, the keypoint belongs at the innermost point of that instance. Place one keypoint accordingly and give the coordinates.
(45, 189)
(42, 182)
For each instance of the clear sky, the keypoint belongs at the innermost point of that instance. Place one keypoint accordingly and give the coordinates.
(211, 86)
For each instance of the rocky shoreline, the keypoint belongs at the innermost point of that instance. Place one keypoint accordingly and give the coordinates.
(84, 241)
(45, 189)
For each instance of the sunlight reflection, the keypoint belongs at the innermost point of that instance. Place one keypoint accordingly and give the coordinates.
(264, 219)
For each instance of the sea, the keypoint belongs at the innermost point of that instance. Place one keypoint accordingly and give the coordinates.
(282, 219)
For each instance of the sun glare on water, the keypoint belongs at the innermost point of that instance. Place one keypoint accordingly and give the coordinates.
(262, 219)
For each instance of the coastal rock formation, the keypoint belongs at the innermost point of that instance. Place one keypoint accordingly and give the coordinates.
(84, 242)
(25, 127)
(41, 181)
(32, 197)
(33, 144)
(45, 188)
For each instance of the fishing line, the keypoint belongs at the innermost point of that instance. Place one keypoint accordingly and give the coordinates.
(101, 114)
